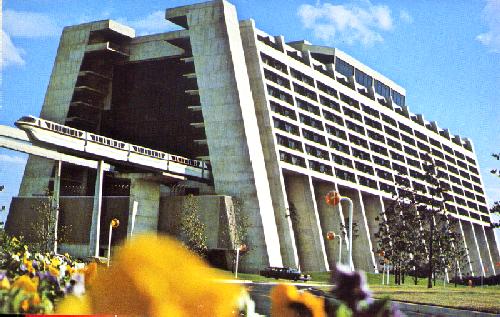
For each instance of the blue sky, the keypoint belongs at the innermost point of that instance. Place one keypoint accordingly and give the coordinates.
(445, 53)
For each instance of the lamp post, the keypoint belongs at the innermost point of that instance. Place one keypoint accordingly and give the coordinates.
(330, 235)
(112, 225)
(241, 248)
(333, 198)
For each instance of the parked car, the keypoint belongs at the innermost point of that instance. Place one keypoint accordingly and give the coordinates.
(285, 273)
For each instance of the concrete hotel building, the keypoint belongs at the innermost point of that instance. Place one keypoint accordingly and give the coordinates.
(282, 123)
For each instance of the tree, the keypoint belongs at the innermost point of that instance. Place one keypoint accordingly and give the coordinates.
(43, 227)
(193, 231)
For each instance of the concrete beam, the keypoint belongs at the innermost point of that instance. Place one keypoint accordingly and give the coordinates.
(469, 260)
(492, 242)
(95, 228)
(373, 207)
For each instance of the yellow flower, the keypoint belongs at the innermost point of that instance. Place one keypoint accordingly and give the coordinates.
(156, 276)
(115, 223)
(26, 283)
(90, 272)
(55, 261)
(53, 271)
(35, 300)
(29, 265)
(287, 301)
(5, 284)
(25, 305)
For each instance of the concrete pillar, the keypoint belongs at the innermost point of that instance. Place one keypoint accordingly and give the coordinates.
(484, 248)
(478, 246)
(331, 218)
(362, 254)
(303, 211)
(55, 197)
(236, 153)
(492, 242)
(373, 207)
(469, 260)
(95, 227)
(475, 257)
(145, 198)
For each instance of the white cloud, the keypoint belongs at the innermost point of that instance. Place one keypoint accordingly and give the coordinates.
(356, 21)
(29, 24)
(491, 13)
(12, 159)
(11, 55)
(405, 16)
(153, 23)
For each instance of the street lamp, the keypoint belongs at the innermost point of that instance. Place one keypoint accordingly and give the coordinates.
(333, 198)
(241, 248)
(112, 225)
(330, 235)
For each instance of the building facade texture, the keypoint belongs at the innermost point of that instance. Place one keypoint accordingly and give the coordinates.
(281, 123)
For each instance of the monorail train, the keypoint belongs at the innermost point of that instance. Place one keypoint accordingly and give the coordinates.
(83, 141)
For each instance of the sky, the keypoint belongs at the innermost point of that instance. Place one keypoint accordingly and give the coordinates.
(446, 54)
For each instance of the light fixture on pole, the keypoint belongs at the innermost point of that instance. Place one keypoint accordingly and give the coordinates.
(330, 235)
(241, 248)
(333, 198)
(114, 223)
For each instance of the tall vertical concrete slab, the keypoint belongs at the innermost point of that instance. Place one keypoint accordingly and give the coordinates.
(468, 268)
(274, 172)
(475, 257)
(492, 242)
(489, 266)
(56, 104)
(373, 206)
(146, 194)
(303, 212)
(362, 252)
(331, 218)
(233, 139)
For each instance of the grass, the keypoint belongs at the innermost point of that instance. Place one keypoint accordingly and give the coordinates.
(486, 299)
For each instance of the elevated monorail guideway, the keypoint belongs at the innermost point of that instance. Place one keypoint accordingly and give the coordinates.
(104, 148)
(18, 140)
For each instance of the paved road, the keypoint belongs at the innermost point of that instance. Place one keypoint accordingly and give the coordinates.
(260, 294)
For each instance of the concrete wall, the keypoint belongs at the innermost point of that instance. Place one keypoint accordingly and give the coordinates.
(492, 242)
(288, 248)
(75, 213)
(215, 211)
(235, 149)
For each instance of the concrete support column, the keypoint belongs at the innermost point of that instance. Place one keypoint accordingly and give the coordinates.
(331, 218)
(95, 227)
(308, 235)
(362, 254)
(492, 242)
(484, 248)
(373, 207)
(479, 249)
(469, 261)
(55, 197)
(475, 257)
(145, 199)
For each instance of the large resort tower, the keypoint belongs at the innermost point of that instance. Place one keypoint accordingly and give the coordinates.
(281, 123)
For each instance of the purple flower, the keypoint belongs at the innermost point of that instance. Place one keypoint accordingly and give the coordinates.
(350, 287)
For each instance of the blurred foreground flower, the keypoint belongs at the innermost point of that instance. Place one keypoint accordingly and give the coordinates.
(156, 276)
(287, 301)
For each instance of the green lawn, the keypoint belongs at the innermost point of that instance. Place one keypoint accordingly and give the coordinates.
(485, 298)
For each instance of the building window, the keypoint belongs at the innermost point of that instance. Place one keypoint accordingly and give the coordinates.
(363, 79)
(344, 68)
(398, 98)
(382, 90)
